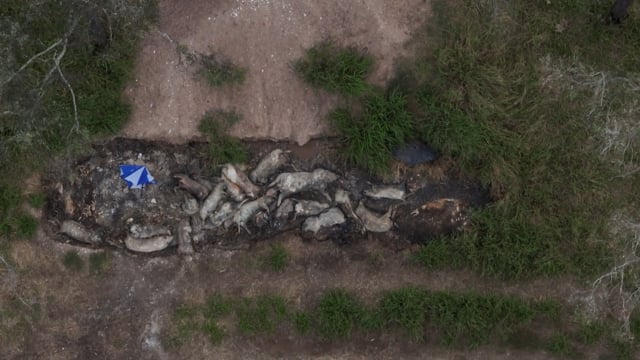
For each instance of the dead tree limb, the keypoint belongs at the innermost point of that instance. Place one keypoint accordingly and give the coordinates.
(56, 61)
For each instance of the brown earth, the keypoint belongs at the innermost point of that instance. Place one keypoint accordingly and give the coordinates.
(265, 37)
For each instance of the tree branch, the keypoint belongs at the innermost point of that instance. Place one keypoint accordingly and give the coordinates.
(56, 61)
(33, 58)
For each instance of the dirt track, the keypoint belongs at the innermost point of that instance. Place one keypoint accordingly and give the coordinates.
(265, 37)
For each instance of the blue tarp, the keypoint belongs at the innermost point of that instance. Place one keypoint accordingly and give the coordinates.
(136, 176)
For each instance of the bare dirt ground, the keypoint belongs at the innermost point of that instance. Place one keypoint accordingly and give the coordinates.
(265, 37)
(125, 313)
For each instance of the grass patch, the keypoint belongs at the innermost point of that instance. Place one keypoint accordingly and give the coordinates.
(337, 314)
(260, 315)
(37, 200)
(217, 71)
(222, 148)
(370, 138)
(467, 319)
(492, 108)
(559, 344)
(591, 332)
(302, 322)
(277, 258)
(454, 319)
(185, 324)
(98, 263)
(26, 225)
(335, 69)
(73, 261)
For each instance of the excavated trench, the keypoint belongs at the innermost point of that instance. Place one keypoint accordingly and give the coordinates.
(90, 205)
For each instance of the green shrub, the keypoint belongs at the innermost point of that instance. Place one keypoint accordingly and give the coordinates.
(222, 148)
(369, 140)
(73, 261)
(337, 314)
(335, 69)
(218, 71)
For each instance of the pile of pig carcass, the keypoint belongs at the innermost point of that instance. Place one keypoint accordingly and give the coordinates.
(237, 203)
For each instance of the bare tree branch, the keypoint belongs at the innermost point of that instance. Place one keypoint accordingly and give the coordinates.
(56, 61)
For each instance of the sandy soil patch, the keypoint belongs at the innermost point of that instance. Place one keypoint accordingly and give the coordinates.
(265, 37)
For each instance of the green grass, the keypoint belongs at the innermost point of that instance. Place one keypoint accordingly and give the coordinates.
(302, 322)
(369, 139)
(337, 314)
(222, 148)
(260, 315)
(37, 200)
(481, 95)
(591, 332)
(559, 344)
(453, 319)
(217, 71)
(26, 225)
(467, 319)
(73, 261)
(38, 114)
(336, 69)
(277, 258)
(98, 263)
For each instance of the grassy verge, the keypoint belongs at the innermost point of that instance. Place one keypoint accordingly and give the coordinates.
(461, 320)
(485, 95)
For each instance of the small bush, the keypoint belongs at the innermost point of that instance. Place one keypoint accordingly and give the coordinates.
(406, 308)
(73, 261)
(369, 139)
(337, 313)
(277, 258)
(218, 71)
(335, 69)
(222, 148)
(98, 263)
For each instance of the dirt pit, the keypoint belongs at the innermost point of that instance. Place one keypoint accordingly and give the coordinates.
(264, 37)
(90, 194)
